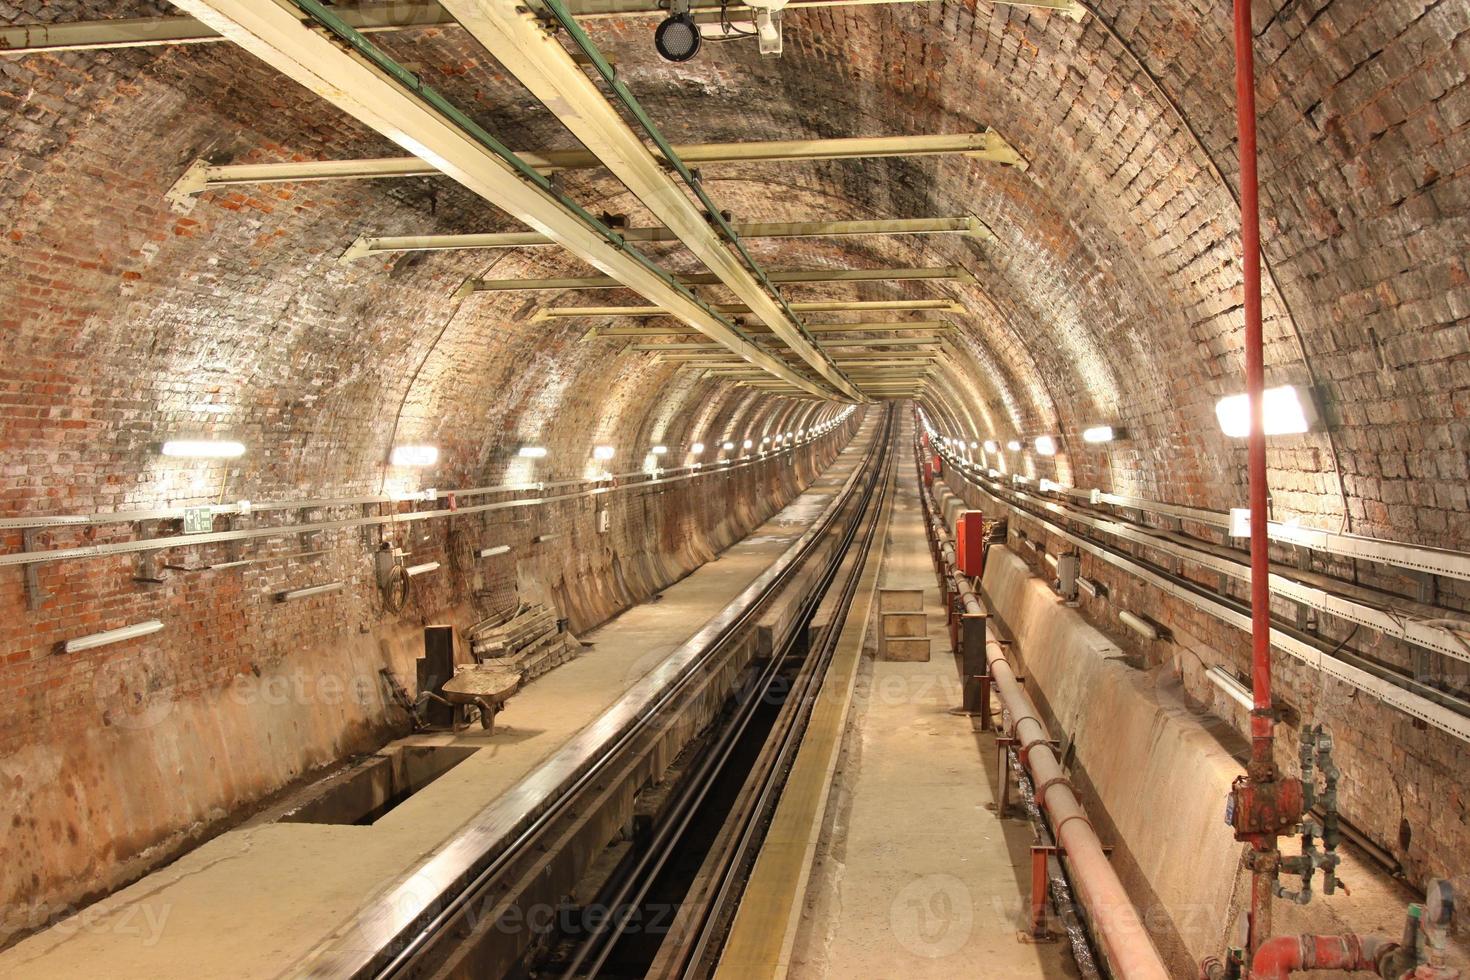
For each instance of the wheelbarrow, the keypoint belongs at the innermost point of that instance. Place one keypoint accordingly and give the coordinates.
(482, 687)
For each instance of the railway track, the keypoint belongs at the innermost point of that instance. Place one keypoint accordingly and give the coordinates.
(489, 903)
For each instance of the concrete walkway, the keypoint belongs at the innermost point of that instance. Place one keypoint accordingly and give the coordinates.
(916, 877)
(255, 901)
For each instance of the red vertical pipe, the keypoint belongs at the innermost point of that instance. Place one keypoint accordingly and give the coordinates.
(1255, 383)
(1262, 766)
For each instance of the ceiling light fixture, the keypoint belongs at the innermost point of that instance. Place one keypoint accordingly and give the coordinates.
(677, 36)
(533, 452)
(1045, 445)
(1098, 433)
(1014, 445)
(602, 452)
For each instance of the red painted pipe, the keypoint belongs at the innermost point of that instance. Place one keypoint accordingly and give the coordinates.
(1262, 767)
(1121, 931)
(1278, 958)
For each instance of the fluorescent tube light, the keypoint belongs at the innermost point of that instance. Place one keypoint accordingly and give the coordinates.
(602, 452)
(310, 590)
(697, 448)
(728, 446)
(424, 569)
(1092, 588)
(118, 635)
(203, 448)
(1139, 625)
(1014, 445)
(491, 552)
(414, 455)
(1098, 433)
(990, 446)
(1284, 412)
(660, 450)
(1046, 445)
(533, 452)
(1227, 682)
(747, 444)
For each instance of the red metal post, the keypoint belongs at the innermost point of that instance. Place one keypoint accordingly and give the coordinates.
(1037, 917)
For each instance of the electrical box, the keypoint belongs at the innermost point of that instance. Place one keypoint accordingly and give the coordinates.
(604, 522)
(970, 543)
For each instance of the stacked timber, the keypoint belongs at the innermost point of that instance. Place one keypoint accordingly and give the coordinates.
(530, 642)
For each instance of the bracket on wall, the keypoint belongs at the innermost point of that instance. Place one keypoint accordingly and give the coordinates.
(1428, 586)
(35, 595)
(149, 572)
(309, 540)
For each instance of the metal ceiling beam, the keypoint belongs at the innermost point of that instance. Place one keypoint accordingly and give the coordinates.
(858, 326)
(524, 48)
(985, 145)
(134, 32)
(974, 227)
(822, 306)
(694, 348)
(371, 89)
(927, 274)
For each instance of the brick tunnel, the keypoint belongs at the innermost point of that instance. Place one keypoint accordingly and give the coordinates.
(409, 407)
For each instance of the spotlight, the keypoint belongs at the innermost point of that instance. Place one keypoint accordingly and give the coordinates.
(677, 36)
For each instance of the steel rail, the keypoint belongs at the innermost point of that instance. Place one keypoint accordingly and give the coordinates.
(773, 780)
(686, 663)
(633, 891)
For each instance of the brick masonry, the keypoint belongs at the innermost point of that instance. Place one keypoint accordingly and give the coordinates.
(1112, 296)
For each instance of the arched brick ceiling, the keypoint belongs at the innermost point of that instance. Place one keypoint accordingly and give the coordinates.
(1111, 295)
